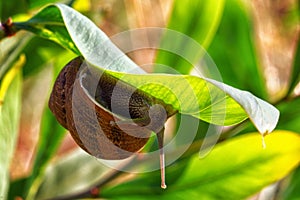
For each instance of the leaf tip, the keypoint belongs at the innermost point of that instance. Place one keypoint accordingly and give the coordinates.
(264, 146)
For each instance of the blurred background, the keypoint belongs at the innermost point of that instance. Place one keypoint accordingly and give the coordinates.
(275, 34)
(270, 26)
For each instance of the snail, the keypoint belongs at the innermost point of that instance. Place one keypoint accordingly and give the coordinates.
(107, 117)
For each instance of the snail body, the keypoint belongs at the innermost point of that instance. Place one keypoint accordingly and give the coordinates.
(110, 121)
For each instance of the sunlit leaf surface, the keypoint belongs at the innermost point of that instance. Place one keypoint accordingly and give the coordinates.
(234, 169)
(75, 31)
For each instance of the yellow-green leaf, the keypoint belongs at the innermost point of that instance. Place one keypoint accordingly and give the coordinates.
(10, 110)
(234, 169)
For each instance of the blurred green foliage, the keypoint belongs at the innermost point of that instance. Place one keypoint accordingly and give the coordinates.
(225, 29)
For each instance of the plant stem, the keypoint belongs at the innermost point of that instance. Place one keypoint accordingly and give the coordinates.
(7, 29)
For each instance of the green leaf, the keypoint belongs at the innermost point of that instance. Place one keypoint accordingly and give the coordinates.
(206, 99)
(233, 50)
(198, 21)
(93, 44)
(98, 50)
(74, 31)
(289, 111)
(48, 23)
(239, 167)
(38, 3)
(291, 190)
(10, 110)
(87, 37)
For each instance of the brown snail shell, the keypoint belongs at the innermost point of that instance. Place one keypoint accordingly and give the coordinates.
(95, 122)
